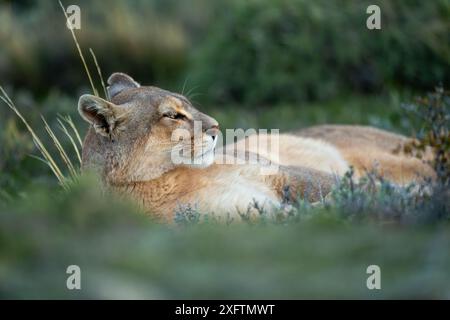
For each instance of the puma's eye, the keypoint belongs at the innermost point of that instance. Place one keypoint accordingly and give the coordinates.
(175, 115)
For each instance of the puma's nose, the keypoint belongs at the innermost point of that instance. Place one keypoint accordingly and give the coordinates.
(213, 131)
(210, 125)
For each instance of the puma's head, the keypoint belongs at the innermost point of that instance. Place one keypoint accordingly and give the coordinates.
(140, 132)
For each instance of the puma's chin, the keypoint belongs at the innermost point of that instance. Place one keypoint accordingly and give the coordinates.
(206, 158)
(203, 161)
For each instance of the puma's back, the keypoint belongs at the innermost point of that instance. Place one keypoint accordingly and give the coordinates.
(370, 149)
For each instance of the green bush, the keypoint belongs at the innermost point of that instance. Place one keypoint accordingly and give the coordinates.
(264, 51)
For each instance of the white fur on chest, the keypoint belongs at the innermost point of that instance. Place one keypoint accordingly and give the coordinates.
(235, 193)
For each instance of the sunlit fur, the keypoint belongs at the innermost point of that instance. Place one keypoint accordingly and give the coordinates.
(130, 144)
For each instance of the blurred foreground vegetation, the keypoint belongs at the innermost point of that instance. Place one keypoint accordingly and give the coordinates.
(250, 64)
(123, 254)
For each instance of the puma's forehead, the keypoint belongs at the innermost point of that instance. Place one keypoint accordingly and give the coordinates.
(123, 89)
(150, 94)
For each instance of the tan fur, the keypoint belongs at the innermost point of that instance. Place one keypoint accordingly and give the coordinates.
(130, 142)
(224, 189)
(297, 151)
(369, 149)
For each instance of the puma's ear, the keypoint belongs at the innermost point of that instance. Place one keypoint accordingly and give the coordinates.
(103, 115)
(119, 82)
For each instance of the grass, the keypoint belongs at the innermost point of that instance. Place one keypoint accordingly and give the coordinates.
(123, 254)
(47, 157)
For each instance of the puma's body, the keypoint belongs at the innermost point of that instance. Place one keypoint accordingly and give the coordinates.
(333, 148)
(368, 149)
(130, 144)
(296, 151)
(225, 189)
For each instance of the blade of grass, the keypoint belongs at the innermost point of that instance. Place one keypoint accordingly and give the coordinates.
(80, 53)
(60, 148)
(39, 159)
(70, 122)
(66, 132)
(66, 181)
(99, 71)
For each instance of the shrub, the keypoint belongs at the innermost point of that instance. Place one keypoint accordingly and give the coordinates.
(264, 52)
(434, 112)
